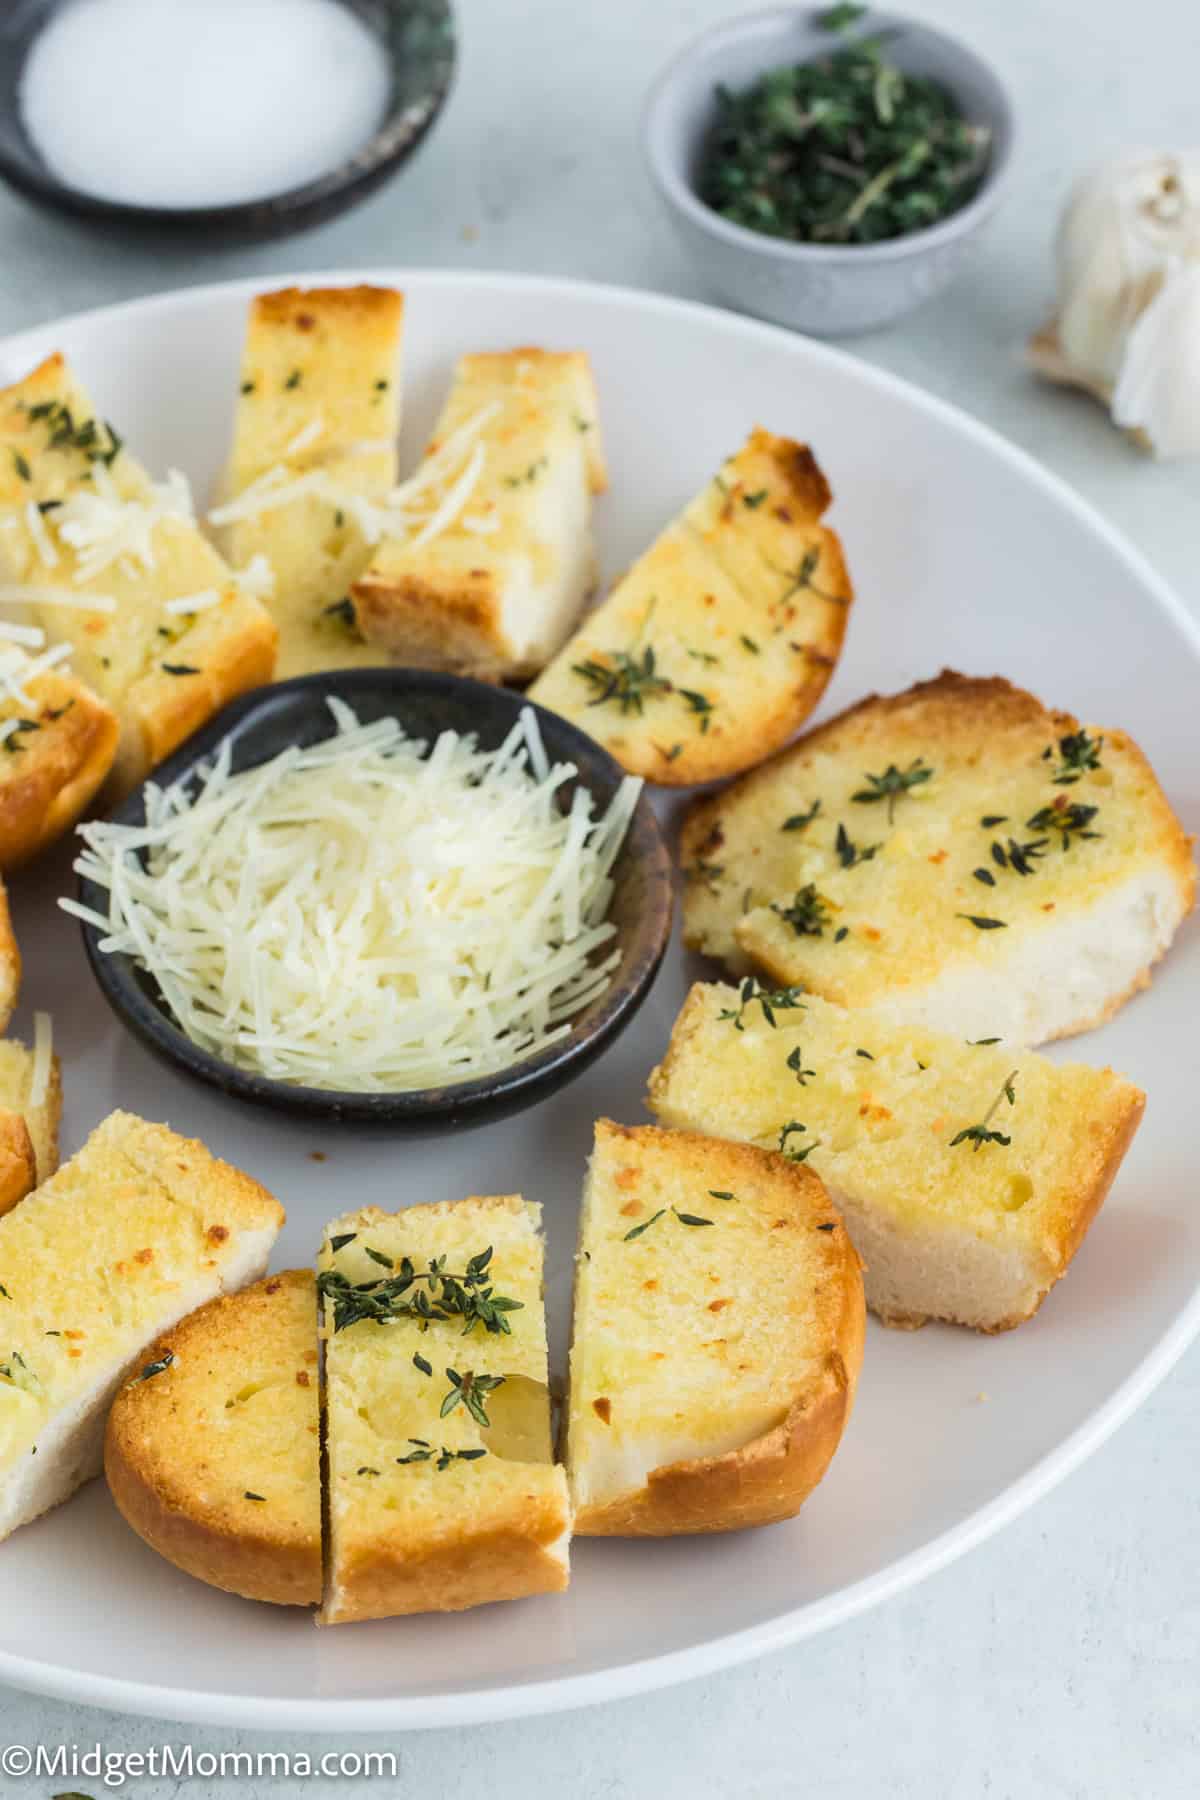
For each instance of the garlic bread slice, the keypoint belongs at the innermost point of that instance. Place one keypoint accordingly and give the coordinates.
(319, 398)
(967, 1173)
(957, 855)
(717, 1339)
(718, 643)
(493, 570)
(113, 564)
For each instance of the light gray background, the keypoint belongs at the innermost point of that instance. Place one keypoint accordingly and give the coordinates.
(1063, 1658)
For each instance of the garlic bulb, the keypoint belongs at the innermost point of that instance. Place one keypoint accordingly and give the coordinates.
(1128, 321)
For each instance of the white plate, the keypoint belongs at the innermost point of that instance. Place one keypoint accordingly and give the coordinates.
(964, 552)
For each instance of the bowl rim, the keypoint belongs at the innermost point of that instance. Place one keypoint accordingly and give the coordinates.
(764, 24)
(390, 144)
(508, 1089)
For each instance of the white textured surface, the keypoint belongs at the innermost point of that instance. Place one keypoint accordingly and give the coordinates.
(1060, 1659)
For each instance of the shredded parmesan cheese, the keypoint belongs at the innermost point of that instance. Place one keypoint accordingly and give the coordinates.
(43, 1052)
(194, 603)
(371, 914)
(41, 537)
(32, 636)
(257, 579)
(22, 594)
(103, 529)
(16, 669)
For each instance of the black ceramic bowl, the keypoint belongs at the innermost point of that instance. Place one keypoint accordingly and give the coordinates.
(420, 41)
(295, 712)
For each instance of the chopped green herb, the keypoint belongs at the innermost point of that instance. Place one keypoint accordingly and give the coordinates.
(644, 1226)
(382, 385)
(749, 644)
(802, 1151)
(866, 1054)
(529, 476)
(704, 656)
(974, 1042)
(343, 1238)
(419, 1362)
(377, 1256)
(982, 924)
(979, 1135)
(848, 852)
(364, 1470)
(990, 819)
(21, 464)
(772, 1000)
(706, 872)
(1077, 754)
(754, 501)
(1021, 857)
(248, 387)
(689, 1218)
(20, 729)
(293, 380)
(829, 1225)
(797, 821)
(470, 1390)
(841, 932)
(250, 1496)
(807, 913)
(800, 581)
(984, 875)
(795, 1063)
(1069, 820)
(623, 679)
(845, 149)
(426, 1295)
(178, 669)
(721, 1194)
(892, 784)
(154, 1368)
(697, 703)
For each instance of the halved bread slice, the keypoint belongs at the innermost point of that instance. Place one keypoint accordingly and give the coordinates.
(957, 855)
(319, 395)
(57, 743)
(718, 1336)
(495, 569)
(967, 1174)
(30, 1113)
(719, 642)
(213, 1450)
(98, 555)
(442, 1487)
(137, 1229)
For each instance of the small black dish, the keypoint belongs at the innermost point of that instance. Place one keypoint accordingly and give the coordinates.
(265, 722)
(420, 39)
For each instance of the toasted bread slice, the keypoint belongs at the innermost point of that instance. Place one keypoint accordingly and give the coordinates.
(493, 577)
(95, 553)
(57, 743)
(29, 1121)
(320, 371)
(215, 1457)
(429, 1509)
(718, 1336)
(137, 1229)
(958, 856)
(10, 962)
(720, 640)
(968, 1174)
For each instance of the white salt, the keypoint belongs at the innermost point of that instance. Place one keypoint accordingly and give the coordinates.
(192, 103)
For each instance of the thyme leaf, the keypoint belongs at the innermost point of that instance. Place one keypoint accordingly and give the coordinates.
(772, 1000)
(979, 1135)
(807, 913)
(893, 784)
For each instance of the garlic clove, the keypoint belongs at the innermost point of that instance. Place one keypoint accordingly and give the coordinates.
(1129, 228)
(1157, 393)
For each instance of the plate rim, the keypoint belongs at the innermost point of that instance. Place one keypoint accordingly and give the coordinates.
(566, 1692)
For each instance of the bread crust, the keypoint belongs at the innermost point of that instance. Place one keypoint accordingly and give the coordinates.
(18, 1163)
(769, 1478)
(10, 962)
(244, 1549)
(61, 768)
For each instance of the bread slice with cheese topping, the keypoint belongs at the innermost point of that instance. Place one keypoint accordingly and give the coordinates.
(442, 1487)
(718, 643)
(30, 1114)
(967, 1173)
(136, 1230)
(957, 855)
(314, 451)
(492, 571)
(718, 1336)
(112, 563)
(212, 1451)
(57, 744)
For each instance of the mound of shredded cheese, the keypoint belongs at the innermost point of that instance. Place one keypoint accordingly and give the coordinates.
(369, 914)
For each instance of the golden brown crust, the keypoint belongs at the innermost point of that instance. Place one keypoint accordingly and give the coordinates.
(18, 1162)
(62, 766)
(435, 624)
(10, 962)
(514, 1558)
(166, 1473)
(169, 708)
(770, 1478)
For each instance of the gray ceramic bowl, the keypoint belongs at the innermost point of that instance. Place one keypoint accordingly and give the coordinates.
(826, 289)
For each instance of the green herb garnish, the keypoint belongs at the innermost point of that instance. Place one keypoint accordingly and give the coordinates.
(983, 924)
(1070, 821)
(342, 612)
(419, 1362)
(795, 1063)
(623, 679)
(428, 1295)
(797, 821)
(689, 1218)
(293, 380)
(801, 1152)
(722, 1194)
(707, 872)
(772, 1000)
(892, 784)
(470, 1390)
(343, 1238)
(645, 1225)
(749, 644)
(845, 149)
(1077, 754)
(155, 1368)
(251, 1496)
(807, 913)
(800, 580)
(979, 1135)
(179, 669)
(848, 852)
(425, 1453)
(21, 465)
